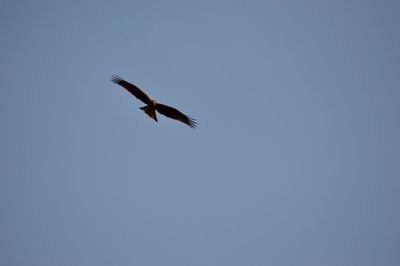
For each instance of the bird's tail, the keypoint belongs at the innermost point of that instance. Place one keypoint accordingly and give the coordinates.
(150, 111)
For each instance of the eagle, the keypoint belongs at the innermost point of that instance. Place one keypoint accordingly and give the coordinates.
(152, 106)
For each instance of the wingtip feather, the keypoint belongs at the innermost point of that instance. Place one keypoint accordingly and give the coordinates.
(116, 79)
(191, 122)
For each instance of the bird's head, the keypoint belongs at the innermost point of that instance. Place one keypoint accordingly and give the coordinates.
(152, 102)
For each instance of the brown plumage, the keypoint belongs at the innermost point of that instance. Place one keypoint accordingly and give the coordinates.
(152, 106)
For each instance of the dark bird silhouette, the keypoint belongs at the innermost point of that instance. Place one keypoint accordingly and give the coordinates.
(152, 106)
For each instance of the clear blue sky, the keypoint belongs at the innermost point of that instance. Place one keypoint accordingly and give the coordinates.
(296, 160)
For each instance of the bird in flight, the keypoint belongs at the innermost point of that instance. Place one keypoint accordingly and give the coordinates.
(152, 106)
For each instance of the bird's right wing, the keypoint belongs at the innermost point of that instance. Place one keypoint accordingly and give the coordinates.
(138, 93)
(176, 114)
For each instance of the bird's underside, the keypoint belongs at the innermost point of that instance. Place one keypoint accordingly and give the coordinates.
(152, 106)
(150, 110)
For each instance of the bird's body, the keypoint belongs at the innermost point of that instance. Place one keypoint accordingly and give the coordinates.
(152, 105)
(150, 109)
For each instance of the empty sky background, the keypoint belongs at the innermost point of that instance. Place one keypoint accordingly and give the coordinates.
(296, 160)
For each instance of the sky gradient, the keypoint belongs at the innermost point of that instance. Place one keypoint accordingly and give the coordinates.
(296, 159)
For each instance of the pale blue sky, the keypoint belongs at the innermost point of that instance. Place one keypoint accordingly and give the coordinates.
(296, 160)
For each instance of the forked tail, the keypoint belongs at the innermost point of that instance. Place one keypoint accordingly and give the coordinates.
(150, 111)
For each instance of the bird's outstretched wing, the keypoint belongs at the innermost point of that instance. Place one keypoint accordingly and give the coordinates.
(138, 93)
(175, 114)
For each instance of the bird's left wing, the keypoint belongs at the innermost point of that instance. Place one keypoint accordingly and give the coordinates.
(175, 114)
(138, 93)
